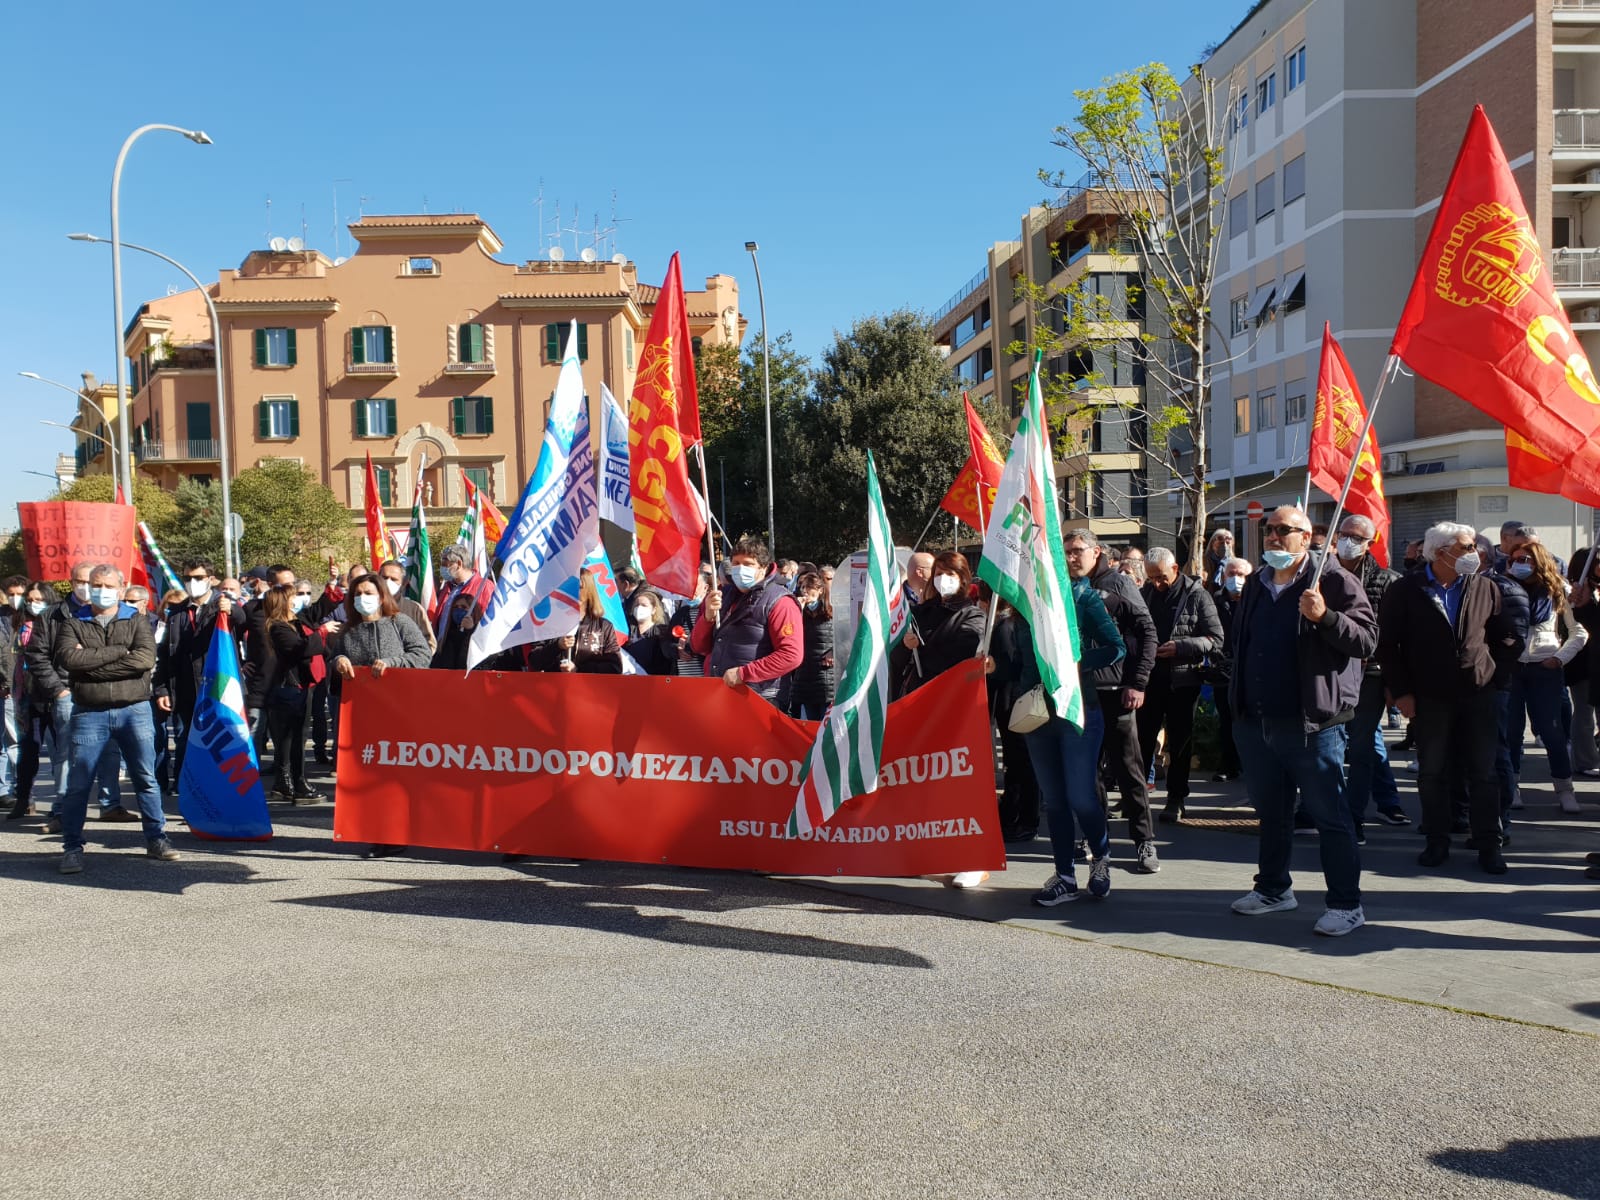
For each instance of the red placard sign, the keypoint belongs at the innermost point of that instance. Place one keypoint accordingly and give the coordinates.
(56, 534)
(656, 769)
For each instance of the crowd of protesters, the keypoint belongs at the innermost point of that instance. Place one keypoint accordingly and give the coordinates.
(1470, 642)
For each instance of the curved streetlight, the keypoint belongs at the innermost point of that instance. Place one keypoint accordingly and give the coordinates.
(198, 137)
(80, 429)
(82, 394)
(223, 464)
(766, 388)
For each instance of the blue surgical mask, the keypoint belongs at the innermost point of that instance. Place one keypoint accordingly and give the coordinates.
(103, 597)
(298, 602)
(1233, 584)
(811, 606)
(1279, 560)
(367, 604)
(36, 607)
(1521, 570)
(743, 576)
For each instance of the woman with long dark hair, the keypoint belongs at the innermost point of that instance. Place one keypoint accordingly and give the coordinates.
(30, 709)
(946, 628)
(811, 685)
(1538, 687)
(297, 667)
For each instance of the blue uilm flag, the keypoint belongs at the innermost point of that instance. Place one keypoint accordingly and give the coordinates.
(219, 792)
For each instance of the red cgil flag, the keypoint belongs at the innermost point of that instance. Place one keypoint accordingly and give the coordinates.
(1341, 415)
(377, 530)
(1483, 319)
(663, 422)
(979, 475)
(1529, 468)
(137, 575)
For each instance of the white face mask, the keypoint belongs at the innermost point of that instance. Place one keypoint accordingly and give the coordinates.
(947, 585)
(367, 604)
(16, 600)
(1468, 564)
(641, 614)
(80, 592)
(297, 603)
(393, 585)
(37, 607)
(198, 587)
(1350, 549)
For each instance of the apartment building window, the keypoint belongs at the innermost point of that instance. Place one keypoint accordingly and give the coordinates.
(1266, 93)
(469, 343)
(479, 478)
(471, 416)
(385, 485)
(1241, 416)
(1294, 292)
(1294, 179)
(977, 366)
(1239, 215)
(372, 344)
(275, 348)
(1239, 314)
(627, 348)
(1267, 410)
(1294, 405)
(555, 336)
(1241, 112)
(1294, 69)
(420, 265)
(375, 418)
(1265, 197)
(278, 418)
(974, 324)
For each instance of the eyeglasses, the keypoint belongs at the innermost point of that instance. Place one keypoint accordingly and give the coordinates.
(201, 577)
(1281, 530)
(1354, 537)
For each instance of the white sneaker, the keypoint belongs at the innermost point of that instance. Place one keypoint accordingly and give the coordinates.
(1564, 793)
(1254, 904)
(1337, 922)
(1516, 797)
(968, 879)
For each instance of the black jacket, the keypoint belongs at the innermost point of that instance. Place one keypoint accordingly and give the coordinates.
(812, 682)
(595, 650)
(294, 646)
(948, 634)
(1185, 615)
(182, 656)
(655, 650)
(108, 665)
(1420, 652)
(1329, 653)
(48, 683)
(1127, 608)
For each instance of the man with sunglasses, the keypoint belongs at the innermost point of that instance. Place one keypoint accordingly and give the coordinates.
(1297, 655)
(1442, 636)
(181, 657)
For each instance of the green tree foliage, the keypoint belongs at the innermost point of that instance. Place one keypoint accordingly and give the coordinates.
(291, 517)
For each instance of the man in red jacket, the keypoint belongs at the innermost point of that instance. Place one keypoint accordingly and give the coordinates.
(750, 631)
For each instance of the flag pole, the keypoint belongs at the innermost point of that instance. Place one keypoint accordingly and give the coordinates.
(917, 544)
(994, 596)
(1389, 366)
(711, 547)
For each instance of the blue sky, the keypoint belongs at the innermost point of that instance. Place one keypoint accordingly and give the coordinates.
(874, 150)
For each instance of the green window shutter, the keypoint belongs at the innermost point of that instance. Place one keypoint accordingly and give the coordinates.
(361, 418)
(583, 343)
(458, 415)
(261, 347)
(264, 420)
(552, 343)
(389, 419)
(294, 418)
(388, 343)
(358, 347)
(486, 407)
(471, 343)
(293, 358)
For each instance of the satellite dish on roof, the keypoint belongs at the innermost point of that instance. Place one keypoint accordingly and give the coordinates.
(557, 254)
(297, 244)
(278, 243)
(620, 259)
(338, 261)
(588, 254)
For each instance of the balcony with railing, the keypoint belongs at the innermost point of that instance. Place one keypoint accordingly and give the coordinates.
(193, 450)
(1577, 129)
(485, 367)
(1576, 12)
(962, 294)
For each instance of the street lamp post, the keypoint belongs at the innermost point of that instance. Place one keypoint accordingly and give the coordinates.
(83, 395)
(80, 429)
(766, 389)
(199, 138)
(223, 464)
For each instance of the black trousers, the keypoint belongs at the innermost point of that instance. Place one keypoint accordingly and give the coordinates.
(1121, 759)
(1230, 753)
(1019, 802)
(1173, 708)
(286, 718)
(1461, 731)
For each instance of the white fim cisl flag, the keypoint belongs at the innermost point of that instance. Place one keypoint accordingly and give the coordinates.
(1024, 562)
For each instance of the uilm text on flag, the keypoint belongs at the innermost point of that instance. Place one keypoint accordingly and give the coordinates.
(847, 755)
(663, 422)
(1340, 417)
(1024, 561)
(1483, 320)
(377, 529)
(971, 496)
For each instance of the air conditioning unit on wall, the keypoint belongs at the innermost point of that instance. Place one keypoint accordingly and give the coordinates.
(1592, 175)
(1394, 463)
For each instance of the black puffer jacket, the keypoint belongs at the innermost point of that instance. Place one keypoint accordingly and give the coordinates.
(812, 682)
(1375, 580)
(107, 666)
(48, 683)
(1186, 615)
(1127, 608)
(949, 633)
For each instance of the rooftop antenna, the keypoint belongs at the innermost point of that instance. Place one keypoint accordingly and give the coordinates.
(269, 220)
(361, 209)
(337, 232)
(302, 222)
(574, 229)
(424, 203)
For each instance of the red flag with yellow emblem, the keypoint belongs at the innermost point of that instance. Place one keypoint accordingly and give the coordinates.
(1483, 319)
(979, 476)
(1340, 417)
(663, 422)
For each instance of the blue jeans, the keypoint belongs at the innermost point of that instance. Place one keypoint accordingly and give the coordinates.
(1539, 694)
(109, 789)
(1280, 758)
(8, 745)
(1368, 775)
(1065, 764)
(130, 729)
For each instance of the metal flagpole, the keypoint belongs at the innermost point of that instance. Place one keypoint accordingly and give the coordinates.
(1389, 368)
(711, 549)
(917, 544)
(994, 596)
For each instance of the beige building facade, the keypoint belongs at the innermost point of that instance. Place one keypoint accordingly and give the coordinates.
(422, 349)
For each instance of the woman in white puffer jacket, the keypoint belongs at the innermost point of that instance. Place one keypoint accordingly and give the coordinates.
(1538, 687)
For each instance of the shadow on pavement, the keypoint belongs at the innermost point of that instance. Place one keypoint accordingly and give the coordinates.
(124, 872)
(1562, 1166)
(616, 905)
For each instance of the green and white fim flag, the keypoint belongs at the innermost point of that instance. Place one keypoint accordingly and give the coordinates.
(1023, 560)
(848, 752)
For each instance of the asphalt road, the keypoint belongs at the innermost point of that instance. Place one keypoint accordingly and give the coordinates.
(286, 1020)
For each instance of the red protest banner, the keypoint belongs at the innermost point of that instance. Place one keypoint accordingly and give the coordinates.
(656, 769)
(58, 533)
